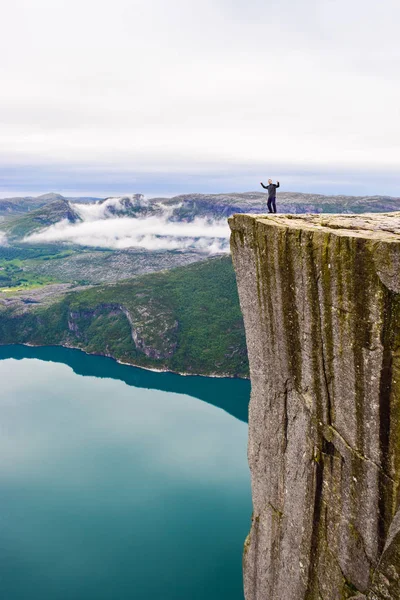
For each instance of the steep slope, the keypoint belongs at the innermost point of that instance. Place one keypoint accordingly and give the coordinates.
(17, 206)
(184, 320)
(321, 303)
(46, 215)
(10, 207)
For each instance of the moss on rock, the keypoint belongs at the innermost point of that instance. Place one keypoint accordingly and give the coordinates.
(321, 303)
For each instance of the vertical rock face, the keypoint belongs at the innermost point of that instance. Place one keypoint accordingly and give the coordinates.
(321, 303)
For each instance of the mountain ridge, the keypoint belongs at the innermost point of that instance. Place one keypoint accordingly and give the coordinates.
(222, 203)
(49, 214)
(182, 208)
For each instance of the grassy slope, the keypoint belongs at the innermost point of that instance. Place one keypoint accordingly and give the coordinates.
(20, 226)
(201, 298)
(17, 265)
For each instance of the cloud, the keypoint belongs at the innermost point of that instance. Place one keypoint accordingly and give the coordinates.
(102, 210)
(197, 83)
(100, 228)
(3, 239)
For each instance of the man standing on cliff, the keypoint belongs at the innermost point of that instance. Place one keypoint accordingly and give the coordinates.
(271, 187)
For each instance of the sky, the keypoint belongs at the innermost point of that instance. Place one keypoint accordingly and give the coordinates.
(133, 96)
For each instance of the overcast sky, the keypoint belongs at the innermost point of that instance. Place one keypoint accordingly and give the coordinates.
(159, 96)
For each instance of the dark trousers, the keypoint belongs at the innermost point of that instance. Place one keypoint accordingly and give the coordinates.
(271, 204)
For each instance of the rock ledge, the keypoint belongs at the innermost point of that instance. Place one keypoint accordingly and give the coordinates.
(320, 297)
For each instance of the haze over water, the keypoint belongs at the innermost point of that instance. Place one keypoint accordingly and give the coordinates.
(119, 487)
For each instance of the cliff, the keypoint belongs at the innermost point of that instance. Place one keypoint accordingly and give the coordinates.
(321, 303)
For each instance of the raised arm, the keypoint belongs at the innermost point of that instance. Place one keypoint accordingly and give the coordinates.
(277, 184)
(264, 186)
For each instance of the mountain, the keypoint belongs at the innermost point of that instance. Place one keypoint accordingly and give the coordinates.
(102, 259)
(48, 214)
(186, 320)
(127, 206)
(18, 206)
(11, 207)
(188, 206)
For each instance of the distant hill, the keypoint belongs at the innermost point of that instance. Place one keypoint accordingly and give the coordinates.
(224, 205)
(188, 206)
(48, 214)
(11, 207)
(184, 208)
(185, 319)
(19, 206)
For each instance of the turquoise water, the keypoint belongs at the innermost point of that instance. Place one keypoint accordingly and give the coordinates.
(118, 483)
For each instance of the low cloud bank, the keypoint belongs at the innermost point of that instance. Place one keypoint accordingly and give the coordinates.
(3, 239)
(109, 208)
(102, 228)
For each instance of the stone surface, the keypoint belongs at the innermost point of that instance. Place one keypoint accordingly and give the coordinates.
(320, 297)
(386, 579)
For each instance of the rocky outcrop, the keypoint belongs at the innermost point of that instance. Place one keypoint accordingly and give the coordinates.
(321, 303)
(154, 333)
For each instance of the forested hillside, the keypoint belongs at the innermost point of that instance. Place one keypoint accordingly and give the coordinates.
(186, 320)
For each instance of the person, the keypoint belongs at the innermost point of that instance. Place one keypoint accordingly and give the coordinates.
(271, 187)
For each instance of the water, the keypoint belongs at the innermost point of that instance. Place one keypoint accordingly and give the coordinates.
(118, 483)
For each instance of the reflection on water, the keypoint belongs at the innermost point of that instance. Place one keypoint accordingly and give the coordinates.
(111, 491)
(230, 394)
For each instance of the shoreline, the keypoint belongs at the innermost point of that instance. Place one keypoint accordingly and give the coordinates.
(128, 364)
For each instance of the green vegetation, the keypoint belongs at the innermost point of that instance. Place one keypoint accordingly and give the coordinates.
(21, 226)
(12, 207)
(45, 264)
(14, 276)
(186, 319)
(24, 252)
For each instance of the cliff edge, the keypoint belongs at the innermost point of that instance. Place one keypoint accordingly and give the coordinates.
(320, 296)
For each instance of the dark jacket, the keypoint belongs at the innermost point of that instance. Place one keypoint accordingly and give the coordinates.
(271, 189)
